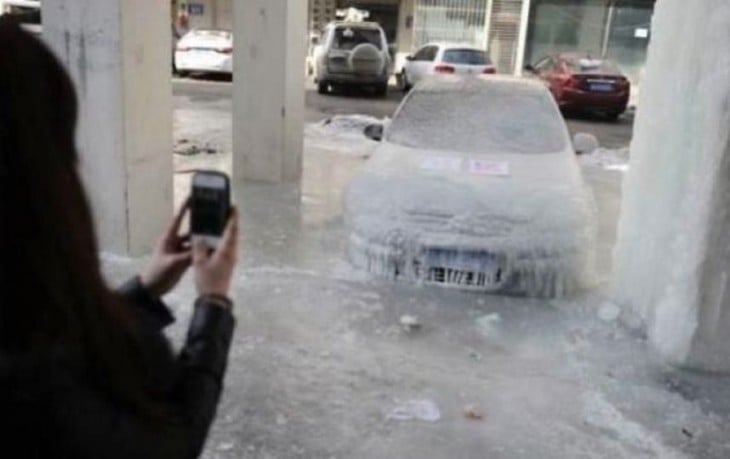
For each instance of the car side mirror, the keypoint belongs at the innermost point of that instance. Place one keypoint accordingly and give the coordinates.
(409, 57)
(585, 144)
(374, 132)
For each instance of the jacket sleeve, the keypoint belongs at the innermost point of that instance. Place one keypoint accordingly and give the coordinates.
(203, 361)
(153, 310)
(96, 426)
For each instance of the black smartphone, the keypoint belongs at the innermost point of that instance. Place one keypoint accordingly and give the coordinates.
(210, 205)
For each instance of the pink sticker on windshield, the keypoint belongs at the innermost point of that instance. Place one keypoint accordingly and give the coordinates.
(484, 167)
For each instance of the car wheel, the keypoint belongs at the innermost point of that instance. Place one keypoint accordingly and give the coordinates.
(613, 116)
(405, 84)
(183, 73)
(323, 87)
(381, 90)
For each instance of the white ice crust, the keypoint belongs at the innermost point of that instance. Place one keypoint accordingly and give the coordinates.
(671, 257)
(539, 216)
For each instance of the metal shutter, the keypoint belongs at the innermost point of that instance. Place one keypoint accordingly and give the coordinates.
(504, 34)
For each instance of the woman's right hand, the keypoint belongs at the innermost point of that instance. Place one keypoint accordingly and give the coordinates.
(213, 270)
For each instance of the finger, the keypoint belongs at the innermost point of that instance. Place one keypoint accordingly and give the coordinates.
(174, 228)
(200, 251)
(182, 243)
(182, 259)
(229, 241)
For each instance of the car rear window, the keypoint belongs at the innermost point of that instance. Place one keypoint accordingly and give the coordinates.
(466, 56)
(347, 38)
(588, 65)
(488, 120)
(211, 33)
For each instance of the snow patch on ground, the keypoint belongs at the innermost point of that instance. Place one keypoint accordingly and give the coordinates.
(600, 413)
(608, 159)
(344, 134)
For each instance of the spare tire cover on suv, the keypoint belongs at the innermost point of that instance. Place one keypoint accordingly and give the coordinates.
(366, 59)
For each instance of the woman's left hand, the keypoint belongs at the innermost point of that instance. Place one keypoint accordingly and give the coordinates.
(171, 258)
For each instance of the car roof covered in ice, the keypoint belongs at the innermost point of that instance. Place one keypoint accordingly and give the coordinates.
(448, 83)
(356, 25)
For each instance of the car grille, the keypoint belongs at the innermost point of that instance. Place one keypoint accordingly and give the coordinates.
(475, 269)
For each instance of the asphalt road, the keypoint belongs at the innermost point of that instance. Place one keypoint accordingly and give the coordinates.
(610, 134)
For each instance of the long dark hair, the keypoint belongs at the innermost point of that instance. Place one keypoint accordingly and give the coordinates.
(55, 298)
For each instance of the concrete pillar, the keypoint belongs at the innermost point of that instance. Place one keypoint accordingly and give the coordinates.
(118, 53)
(522, 38)
(268, 97)
(672, 260)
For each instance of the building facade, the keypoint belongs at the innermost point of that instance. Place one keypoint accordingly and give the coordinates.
(518, 32)
(515, 32)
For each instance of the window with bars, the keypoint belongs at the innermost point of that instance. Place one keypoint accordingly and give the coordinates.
(462, 21)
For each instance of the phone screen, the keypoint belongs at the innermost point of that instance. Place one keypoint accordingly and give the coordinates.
(210, 204)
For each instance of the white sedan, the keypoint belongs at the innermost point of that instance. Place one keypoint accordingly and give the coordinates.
(205, 51)
(444, 58)
(475, 185)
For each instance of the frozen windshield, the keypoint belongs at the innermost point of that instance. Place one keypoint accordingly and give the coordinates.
(466, 56)
(489, 120)
(347, 38)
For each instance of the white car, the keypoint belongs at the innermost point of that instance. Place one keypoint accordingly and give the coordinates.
(475, 185)
(205, 51)
(444, 58)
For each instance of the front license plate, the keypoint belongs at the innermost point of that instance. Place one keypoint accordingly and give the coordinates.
(601, 87)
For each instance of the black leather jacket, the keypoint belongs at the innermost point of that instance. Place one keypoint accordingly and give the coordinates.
(49, 409)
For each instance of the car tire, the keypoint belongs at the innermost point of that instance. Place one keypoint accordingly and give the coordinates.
(323, 87)
(613, 116)
(405, 84)
(381, 90)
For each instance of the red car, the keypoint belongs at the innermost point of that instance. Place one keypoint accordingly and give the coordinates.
(581, 83)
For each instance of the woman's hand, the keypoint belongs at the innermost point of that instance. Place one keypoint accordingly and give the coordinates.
(214, 269)
(171, 258)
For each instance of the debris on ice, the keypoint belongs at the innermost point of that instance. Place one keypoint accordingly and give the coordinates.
(473, 412)
(410, 323)
(487, 325)
(609, 312)
(420, 410)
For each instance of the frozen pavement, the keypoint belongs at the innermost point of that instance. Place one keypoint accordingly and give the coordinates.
(321, 366)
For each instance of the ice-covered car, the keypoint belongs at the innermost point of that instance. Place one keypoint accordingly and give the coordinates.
(475, 185)
(353, 54)
(205, 51)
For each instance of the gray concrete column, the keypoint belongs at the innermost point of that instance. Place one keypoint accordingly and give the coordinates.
(119, 54)
(268, 108)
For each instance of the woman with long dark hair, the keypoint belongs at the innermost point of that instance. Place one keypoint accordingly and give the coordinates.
(85, 371)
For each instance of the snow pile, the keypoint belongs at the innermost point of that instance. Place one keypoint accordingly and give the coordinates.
(343, 134)
(674, 234)
(616, 160)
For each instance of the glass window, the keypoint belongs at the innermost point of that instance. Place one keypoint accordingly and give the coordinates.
(347, 38)
(588, 65)
(466, 56)
(460, 21)
(427, 53)
(546, 64)
(489, 119)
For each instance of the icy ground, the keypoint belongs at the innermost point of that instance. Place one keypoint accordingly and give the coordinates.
(322, 365)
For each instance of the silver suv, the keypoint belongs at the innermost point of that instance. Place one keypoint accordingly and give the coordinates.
(353, 54)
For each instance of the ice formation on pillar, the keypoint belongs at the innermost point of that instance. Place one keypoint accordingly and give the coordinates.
(672, 260)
